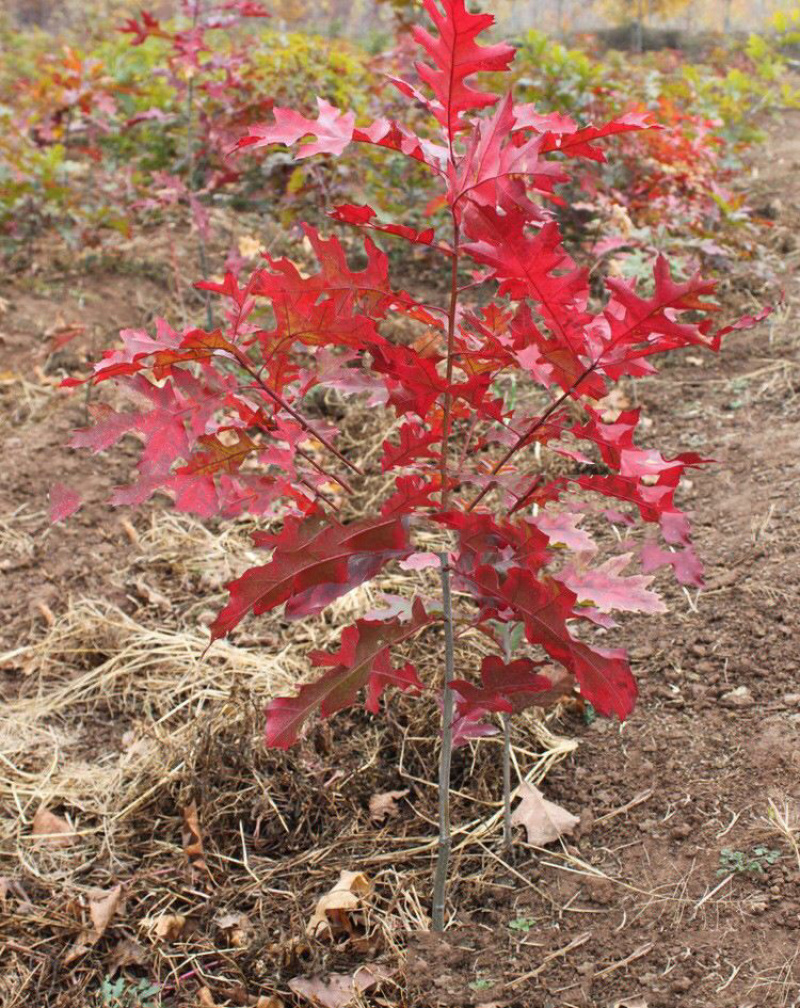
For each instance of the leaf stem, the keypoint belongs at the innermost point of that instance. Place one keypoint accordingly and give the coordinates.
(242, 360)
(446, 754)
(539, 422)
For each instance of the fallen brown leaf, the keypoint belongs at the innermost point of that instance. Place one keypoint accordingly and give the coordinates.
(249, 246)
(52, 830)
(384, 805)
(333, 910)
(544, 821)
(126, 952)
(339, 989)
(103, 904)
(613, 404)
(237, 926)
(168, 926)
(77, 949)
(192, 837)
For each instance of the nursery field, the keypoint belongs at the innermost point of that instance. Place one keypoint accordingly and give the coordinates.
(163, 842)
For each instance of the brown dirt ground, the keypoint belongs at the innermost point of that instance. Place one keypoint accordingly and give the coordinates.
(638, 909)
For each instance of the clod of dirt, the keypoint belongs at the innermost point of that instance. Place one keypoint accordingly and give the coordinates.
(739, 697)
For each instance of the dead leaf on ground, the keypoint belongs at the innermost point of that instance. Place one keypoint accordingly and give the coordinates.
(339, 989)
(192, 838)
(249, 246)
(126, 952)
(269, 1001)
(103, 904)
(168, 927)
(237, 927)
(333, 910)
(544, 821)
(384, 805)
(52, 830)
(151, 596)
(613, 404)
(77, 949)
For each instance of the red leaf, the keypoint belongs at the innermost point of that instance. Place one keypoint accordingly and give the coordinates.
(579, 142)
(604, 676)
(315, 560)
(501, 683)
(412, 493)
(149, 26)
(685, 563)
(362, 661)
(363, 217)
(332, 129)
(606, 589)
(456, 56)
(415, 444)
(491, 171)
(109, 427)
(64, 501)
(530, 267)
(632, 327)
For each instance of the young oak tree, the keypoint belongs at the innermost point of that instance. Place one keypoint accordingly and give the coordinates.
(226, 429)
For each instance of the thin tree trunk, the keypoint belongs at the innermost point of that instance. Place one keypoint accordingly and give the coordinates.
(448, 705)
(191, 166)
(508, 836)
(445, 840)
(638, 27)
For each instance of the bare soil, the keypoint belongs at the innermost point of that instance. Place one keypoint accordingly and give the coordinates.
(643, 907)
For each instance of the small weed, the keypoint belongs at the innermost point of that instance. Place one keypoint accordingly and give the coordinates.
(738, 861)
(121, 993)
(522, 924)
(481, 984)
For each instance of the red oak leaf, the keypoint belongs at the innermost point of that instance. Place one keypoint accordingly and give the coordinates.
(315, 560)
(604, 676)
(606, 589)
(456, 56)
(362, 661)
(332, 129)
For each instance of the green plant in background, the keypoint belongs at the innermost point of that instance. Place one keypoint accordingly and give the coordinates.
(550, 75)
(299, 68)
(124, 993)
(786, 25)
(739, 862)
